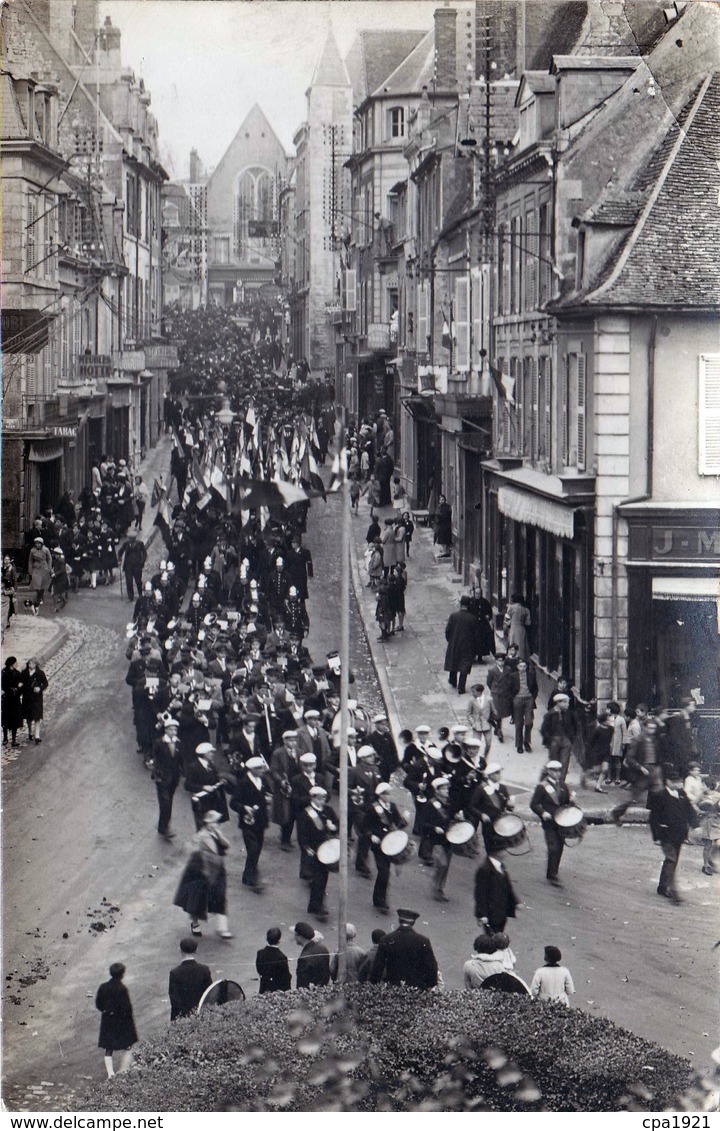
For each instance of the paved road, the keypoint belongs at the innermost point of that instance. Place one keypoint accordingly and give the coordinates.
(87, 881)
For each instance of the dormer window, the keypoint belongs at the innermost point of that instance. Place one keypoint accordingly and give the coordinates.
(397, 121)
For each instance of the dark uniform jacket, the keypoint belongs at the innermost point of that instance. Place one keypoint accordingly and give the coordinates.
(547, 799)
(404, 956)
(272, 966)
(671, 817)
(495, 899)
(188, 983)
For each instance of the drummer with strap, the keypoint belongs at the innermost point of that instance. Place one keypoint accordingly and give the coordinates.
(317, 824)
(436, 819)
(550, 794)
(491, 800)
(382, 818)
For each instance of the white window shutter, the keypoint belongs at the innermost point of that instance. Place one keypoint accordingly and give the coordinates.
(581, 411)
(422, 317)
(477, 340)
(351, 290)
(709, 414)
(462, 325)
(534, 409)
(548, 409)
(564, 410)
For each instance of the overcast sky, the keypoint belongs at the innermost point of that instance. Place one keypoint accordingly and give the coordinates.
(206, 62)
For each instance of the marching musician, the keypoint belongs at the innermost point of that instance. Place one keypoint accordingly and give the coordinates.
(284, 765)
(362, 780)
(317, 823)
(418, 781)
(382, 817)
(435, 818)
(490, 800)
(205, 784)
(550, 794)
(250, 804)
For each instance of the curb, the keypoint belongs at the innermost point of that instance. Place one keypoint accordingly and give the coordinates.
(62, 637)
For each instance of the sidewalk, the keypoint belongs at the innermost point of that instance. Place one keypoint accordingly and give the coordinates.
(43, 636)
(410, 671)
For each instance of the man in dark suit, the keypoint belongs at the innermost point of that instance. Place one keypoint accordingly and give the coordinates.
(188, 982)
(313, 967)
(405, 957)
(250, 804)
(671, 818)
(462, 644)
(550, 794)
(495, 899)
(272, 965)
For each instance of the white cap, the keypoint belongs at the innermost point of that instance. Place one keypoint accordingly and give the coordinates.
(255, 763)
(438, 783)
(422, 729)
(308, 759)
(318, 791)
(205, 748)
(366, 752)
(382, 787)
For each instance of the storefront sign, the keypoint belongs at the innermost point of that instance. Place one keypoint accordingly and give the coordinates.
(663, 543)
(66, 431)
(378, 336)
(94, 366)
(161, 357)
(129, 361)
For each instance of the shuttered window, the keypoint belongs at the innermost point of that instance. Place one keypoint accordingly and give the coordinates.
(422, 317)
(534, 408)
(709, 415)
(531, 261)
(351, 290)
(581, 394)
(564, 410)
(477, 323)
(462, 324)
(547, 367)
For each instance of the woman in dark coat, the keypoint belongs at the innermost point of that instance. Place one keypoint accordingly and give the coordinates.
(443, 526)
(9, 587)
(33, 682)
(117, 1027)
(202, 886)
(12, 712)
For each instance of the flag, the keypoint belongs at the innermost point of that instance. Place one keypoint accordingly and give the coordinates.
(338, 475)
(446, 331)
(270, 493)
(162, 521)
(309, 473)
(505, 385)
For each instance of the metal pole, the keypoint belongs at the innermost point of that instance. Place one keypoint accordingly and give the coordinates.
(344, 718)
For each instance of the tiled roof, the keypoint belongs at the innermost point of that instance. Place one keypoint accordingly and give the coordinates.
(416, 69)
(672, 257)
(614, 210)
(374, 56)
(13, 126)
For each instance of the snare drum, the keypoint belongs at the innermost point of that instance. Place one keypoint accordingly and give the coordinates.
(571, 823)
(397, 846)
(511, 833)
(329, 854)
(459, 832)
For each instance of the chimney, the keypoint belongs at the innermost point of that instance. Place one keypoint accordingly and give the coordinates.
(196, 173)
(445, 49)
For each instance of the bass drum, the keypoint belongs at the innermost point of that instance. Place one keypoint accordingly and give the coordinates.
(459, 832)
(358, 717)
(397, 846)
(329, 854)
(571, 823)
(511, 834)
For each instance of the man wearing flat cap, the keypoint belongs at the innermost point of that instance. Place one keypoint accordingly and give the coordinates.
(405, 957)
(550, 793)
(558, 731)
(284, 765)
(382, 740)
(188, 981)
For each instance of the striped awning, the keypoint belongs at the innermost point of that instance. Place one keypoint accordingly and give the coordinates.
(686, 588)
(533, 510)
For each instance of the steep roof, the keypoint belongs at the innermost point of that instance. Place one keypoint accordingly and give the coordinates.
(330, 69)
(374, 56)
(254, 123)
(415, 71)
(13, 125)
(671, 257)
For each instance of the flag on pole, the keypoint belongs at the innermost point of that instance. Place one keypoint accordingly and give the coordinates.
(505, 385)
(270, 493)
(162, 521)
(446, 330)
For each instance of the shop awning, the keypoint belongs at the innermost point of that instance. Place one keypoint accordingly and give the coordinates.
(536, 511)
(686, 588)
(43, 451)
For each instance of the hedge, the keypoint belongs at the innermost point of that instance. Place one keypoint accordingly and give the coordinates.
(384, 1048)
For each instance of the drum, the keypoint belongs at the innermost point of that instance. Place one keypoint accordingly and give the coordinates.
(511, 834)
(398, 846)
(329, 854)
(571, 823)
(459, 832)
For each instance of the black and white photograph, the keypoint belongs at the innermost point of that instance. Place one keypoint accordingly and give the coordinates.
(361, 557)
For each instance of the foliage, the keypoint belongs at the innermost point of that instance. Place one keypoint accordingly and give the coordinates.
(383, 1048)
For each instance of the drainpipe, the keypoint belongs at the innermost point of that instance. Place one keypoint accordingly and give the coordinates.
(636, 499)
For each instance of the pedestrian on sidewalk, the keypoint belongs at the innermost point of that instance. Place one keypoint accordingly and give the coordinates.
(33, 683)
(501, 685)
(640, 752)
(383, 610)
(552, 982)
(9, 587)
(409, 530)
(12, 710)
(40, 570)
(60, 581)
(558, 732)
(461, 636)
(524, 705)
(117, 1025)
(479, 714)
(443, 527)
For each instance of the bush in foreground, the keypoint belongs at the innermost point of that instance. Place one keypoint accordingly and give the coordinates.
(382, 1048)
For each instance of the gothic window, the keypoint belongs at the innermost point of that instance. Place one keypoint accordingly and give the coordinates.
(254, 200)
